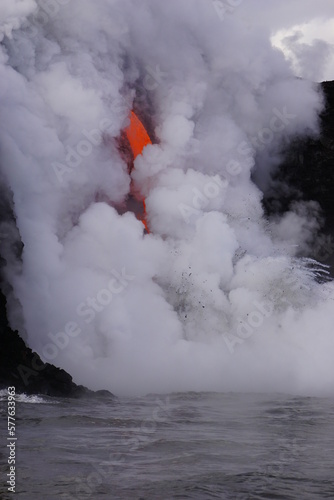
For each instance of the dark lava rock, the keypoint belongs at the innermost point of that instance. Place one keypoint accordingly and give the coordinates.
(19, 365)
(24, 369)
(307, 174)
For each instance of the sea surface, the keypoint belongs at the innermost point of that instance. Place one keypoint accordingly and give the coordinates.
(178, 446)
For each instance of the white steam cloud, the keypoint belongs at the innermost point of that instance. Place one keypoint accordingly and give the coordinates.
(214, 298)
(309, 60)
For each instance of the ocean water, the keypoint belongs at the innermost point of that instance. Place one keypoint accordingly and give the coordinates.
(177, 446)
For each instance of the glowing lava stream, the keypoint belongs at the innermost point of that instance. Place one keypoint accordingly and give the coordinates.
(138, 138)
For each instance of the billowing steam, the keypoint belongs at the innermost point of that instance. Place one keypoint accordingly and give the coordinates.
(214, 298)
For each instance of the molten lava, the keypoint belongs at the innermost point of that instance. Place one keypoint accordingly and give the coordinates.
(137, 137)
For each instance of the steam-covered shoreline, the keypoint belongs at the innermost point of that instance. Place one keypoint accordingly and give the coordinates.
(218, 282)
(24, 369)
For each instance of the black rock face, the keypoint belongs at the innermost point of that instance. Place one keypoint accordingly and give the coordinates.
(24, 369)
(19, 365)
(307, 174)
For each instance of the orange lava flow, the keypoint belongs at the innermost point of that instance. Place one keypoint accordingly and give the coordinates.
(137, 135)
(138, 138)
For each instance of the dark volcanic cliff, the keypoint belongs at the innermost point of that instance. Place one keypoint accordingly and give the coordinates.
(22, 368)
(19, 365)
(307, 173)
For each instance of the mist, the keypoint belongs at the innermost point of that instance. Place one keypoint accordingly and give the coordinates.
(215, 298)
